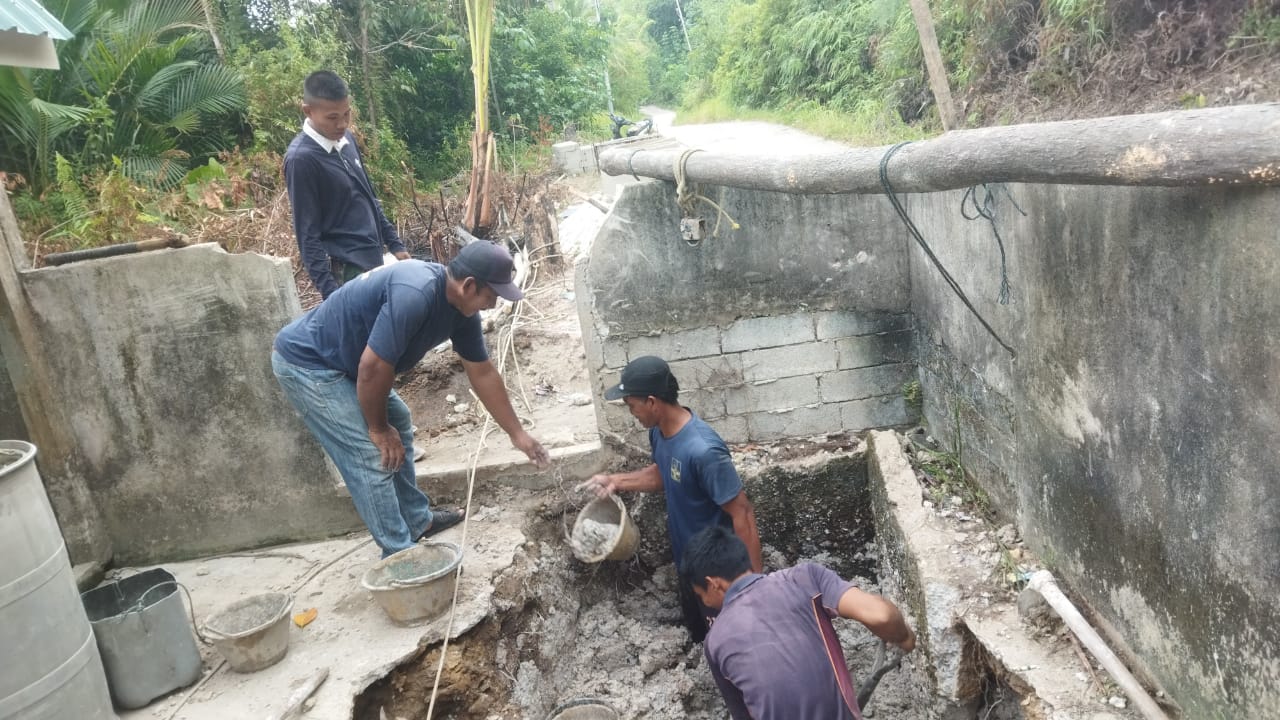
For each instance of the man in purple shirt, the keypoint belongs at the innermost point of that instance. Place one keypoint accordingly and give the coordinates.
(766, 648)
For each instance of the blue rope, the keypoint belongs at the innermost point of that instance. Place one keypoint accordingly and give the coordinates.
(915, 233)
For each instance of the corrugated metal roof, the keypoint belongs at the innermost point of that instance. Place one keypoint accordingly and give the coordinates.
(30, 18)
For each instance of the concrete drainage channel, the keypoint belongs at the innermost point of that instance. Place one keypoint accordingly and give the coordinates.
(562, 632)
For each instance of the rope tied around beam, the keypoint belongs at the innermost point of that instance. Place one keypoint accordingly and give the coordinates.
(928, 251)
(987, 211)
(687, 195)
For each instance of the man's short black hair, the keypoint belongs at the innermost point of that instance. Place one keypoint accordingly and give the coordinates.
(324, 85)
(714, 552)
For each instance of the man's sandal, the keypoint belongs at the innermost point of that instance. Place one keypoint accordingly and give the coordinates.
(441, 520)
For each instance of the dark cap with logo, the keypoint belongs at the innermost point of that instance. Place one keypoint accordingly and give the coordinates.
(489, 263)
(643, 377)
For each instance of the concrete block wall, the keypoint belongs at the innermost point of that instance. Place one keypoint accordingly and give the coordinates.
(769, 340)
(779, 376)
(573, 158)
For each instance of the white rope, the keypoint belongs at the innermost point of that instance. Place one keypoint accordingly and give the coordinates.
(506, 345)
(687, 195)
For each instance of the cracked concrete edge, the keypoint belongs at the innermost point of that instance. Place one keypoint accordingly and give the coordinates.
(904, 528)
(579, 461)
(961, 642)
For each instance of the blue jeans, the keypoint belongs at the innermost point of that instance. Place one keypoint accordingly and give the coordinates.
(395, 510)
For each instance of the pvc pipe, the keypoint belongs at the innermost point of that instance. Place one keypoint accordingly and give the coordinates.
(1044, 583)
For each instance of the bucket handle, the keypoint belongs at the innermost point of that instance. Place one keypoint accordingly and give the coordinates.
(285, 608)
(191, 606)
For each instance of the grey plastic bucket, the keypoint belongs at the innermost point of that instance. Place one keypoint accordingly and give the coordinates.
(252, 633)
(584, 709)
(415, 584)
(49, 664)
(145, 636)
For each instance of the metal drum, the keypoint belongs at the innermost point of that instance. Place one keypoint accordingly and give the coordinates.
(49, 663)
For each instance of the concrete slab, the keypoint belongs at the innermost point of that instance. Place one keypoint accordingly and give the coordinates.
(350, 635)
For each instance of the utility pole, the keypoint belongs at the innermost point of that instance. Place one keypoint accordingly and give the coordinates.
(933, 61)
(683, 27)
(608, 87)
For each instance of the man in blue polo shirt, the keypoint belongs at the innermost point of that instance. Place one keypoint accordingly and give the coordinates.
(771, 653)
(337, 364)
(691, 467)
(337, 219)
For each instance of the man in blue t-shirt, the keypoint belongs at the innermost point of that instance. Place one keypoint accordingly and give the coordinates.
(691, 467)
(337, 364)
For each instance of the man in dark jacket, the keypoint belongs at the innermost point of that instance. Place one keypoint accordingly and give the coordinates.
(337, 219)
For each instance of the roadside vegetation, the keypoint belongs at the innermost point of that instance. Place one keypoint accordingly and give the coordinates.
(170, 116)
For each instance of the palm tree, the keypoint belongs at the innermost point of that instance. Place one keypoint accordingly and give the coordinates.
(138, 84)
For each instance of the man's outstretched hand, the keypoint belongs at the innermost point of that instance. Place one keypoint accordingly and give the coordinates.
(526, 444)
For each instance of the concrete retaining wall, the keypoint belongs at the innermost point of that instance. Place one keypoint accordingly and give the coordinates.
(794, 325)
(189, 447)
(1133, 438)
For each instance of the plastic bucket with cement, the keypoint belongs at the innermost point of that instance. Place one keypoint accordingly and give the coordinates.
(415, 584)
(604, 531)
(252, 633)
(584, 709)
(144, 635)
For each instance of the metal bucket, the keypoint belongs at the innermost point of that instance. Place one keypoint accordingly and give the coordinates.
(417, 583)
(49, 664)
(252, 633)
(584, 709)
(145, 636)
(607, 511)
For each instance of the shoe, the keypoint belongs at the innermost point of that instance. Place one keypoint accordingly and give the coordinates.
(441, 520)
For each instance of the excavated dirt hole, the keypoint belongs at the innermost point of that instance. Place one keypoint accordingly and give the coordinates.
(563, 630)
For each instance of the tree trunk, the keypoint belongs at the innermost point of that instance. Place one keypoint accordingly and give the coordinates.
(1217, 146)
(213, 30)
(933, 61)
(477, 215)
(370, 94)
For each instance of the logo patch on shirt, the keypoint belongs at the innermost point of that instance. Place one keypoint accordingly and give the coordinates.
(675, 469)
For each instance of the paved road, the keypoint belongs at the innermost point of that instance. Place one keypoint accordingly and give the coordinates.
(738, 136)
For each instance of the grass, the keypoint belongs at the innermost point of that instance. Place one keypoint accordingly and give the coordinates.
(871, 126)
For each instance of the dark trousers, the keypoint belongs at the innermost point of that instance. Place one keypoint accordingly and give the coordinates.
(344, 272)
(697, 617)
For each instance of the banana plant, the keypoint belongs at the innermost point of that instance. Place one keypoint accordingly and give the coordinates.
(478, 213)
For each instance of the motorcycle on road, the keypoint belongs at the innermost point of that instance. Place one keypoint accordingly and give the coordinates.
(636, 129)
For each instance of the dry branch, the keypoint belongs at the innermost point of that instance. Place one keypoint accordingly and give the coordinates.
(1237, 145)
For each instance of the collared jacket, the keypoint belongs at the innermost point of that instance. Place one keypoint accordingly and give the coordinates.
(335, 212)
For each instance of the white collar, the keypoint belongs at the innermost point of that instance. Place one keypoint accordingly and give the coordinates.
(322, 141)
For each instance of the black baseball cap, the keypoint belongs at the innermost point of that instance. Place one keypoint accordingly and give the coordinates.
(491, 264)
(642, 377)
